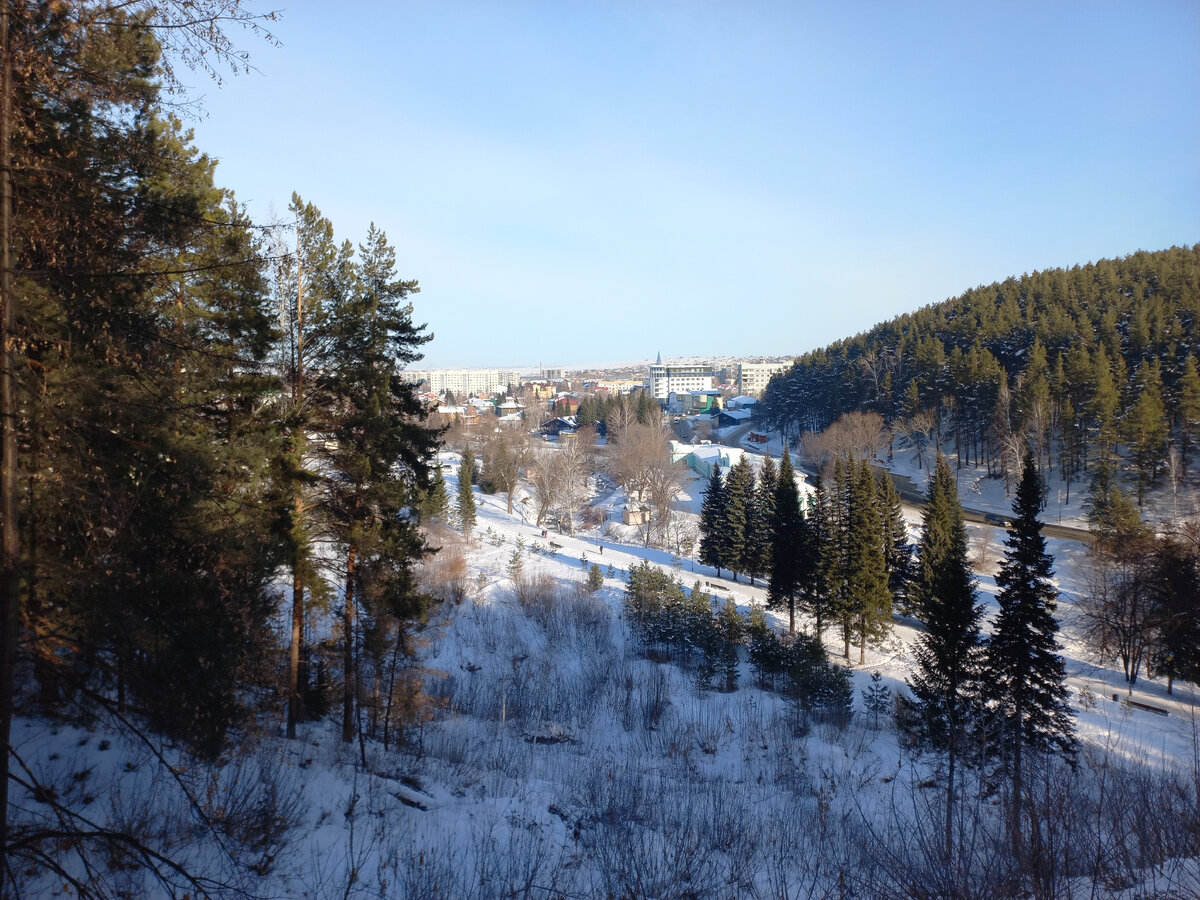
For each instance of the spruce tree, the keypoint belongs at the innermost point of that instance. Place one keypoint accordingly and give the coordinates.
(739, 497)
(1146, 430)
(732, 627)
(1024, 678)
(435, 502)
(867, 575)
(712, 522)
(896, 551)
(787, 543)
(1189, 407)
(946, 683)
(768, 482)
(466, 497)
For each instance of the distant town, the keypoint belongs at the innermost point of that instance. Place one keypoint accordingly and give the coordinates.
(717, 392)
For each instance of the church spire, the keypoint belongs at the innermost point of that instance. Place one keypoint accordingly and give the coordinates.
(659, 363)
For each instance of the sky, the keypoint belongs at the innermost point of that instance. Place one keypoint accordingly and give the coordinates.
(575, 183)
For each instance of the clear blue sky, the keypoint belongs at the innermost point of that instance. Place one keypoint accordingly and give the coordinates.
(578, 182)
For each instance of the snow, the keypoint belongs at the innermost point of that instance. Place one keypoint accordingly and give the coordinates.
(559, 756)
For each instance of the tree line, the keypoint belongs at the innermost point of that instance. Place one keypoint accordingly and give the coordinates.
(1095, 367)
(193, 405)
(843, 554)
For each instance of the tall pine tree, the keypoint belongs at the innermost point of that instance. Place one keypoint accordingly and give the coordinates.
(787, 543)
(466, 495)
(1025, 682)
(712, 522)
(946, 683)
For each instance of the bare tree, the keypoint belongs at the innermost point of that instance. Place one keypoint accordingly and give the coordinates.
(1118, 608)
(506, 453)
(662, 484)
(919, 429)
(860, 434)
(634, 455)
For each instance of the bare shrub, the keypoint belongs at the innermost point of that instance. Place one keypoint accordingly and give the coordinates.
(258, 803)
(445, 575)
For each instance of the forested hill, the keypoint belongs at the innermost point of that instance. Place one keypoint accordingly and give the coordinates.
(1088, 363)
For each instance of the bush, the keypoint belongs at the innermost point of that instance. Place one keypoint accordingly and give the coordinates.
(595, 579)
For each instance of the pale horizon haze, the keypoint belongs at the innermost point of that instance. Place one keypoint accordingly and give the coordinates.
(574, 182)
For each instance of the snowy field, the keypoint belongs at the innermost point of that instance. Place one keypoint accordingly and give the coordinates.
(557, 760)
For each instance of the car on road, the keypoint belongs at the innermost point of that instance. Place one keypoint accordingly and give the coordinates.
(995, 519)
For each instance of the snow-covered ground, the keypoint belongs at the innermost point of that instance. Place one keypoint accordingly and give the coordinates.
(558, 761)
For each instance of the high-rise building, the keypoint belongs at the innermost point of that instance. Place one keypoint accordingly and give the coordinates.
(668, 379)
(464, 381)
(753, 377)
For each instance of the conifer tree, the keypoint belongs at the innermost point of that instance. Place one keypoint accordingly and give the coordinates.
(897, 554)
(1145, 428)
(768, 482)
(787, 543)
(1189, 407)
(435, 502)
(867, 575)
(731, 627)
(466, 497)
(712, 522)
(739, 496)
(946, 683)
(379, 464)
(1024, 678)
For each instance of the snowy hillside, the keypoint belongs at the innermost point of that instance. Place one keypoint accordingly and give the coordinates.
(553, 758)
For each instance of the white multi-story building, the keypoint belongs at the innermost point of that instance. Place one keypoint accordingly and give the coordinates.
(753, 377)
(668, 379)
(464, 381)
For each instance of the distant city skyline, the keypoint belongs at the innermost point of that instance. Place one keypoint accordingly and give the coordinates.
(604, 180)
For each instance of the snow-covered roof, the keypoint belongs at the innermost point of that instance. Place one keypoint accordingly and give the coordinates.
(740, 414)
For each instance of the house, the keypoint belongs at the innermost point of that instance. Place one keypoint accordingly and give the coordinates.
(559, 425)
(740, 402)
(731, 417)
(508, 408)
(701, 458)
(639, 515)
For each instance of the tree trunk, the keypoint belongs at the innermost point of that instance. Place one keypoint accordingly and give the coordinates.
(950, 804)
(294, 698)
(1018, 787)
(348, 653)
(10, 601)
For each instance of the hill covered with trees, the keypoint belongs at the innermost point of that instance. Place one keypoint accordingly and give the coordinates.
(1094, 366)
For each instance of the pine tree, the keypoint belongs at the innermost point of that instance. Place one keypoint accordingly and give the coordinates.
(739, 494)
(897, 554)
(867, 576)
(946, 684)
(466, 496)
(787, 543)
(712, 523)
(877, 698)
(731, 627)
(381, 450)
(1024, 678)
(768, 482)
(1189, 406)
(1146, 429)
(435, 503)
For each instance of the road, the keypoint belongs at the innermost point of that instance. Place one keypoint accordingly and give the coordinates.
(914, 497)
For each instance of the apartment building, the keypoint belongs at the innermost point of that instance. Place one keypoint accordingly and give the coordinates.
(753, 377)
(464, 381)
